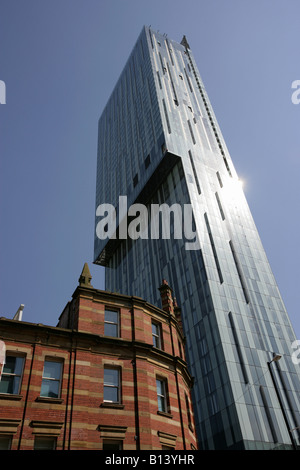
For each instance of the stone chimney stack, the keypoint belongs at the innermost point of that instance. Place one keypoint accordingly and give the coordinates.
(177, 312)
(166, 297)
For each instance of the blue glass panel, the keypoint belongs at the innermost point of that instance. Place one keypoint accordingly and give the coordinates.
(111, 394)
(111, 377)
(52, 370)
(111, 330)
(50, 388)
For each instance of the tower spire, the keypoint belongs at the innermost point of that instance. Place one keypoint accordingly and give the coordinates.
(185, 43)
(85, 277)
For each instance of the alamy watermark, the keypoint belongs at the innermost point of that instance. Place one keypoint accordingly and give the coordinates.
(140, 221)
(296, 100)
(2, 92)
(296, 94)
(296, 354)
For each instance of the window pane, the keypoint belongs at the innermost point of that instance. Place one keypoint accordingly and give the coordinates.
(111, 385)
(159, 386)
(111, 377)
(6, 385)
(111, 325)
(161, 395)
(161, 403)
(154, 329)
(13, 365)
(110, 330)
(9, 384)
(111, 394)
(11, 376)
(111, 316)
(156, 335)
(19, 365)
(9, 366)
(45, 443)
(5, 442)
(50, 388)
(52, 370)
(112, 445)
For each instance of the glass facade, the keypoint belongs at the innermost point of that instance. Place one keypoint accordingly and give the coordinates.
(159, 143)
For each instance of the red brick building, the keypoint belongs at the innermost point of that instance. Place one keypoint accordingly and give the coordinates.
(111, 375)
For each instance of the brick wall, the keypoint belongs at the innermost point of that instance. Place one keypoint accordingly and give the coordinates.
(80, 418)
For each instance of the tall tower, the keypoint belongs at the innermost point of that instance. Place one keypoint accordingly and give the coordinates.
(160, 146)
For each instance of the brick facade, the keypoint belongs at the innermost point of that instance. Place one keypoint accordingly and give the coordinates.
(79, 416)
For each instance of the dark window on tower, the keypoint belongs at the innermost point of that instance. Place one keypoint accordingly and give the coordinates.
(220, 206)
(213, 249)
(239, 271)
(227, 166)
(195, 173)
(147, 161)
(159, 81)
(191, 131)
(219, 179)
(135, 180)
(166, 115)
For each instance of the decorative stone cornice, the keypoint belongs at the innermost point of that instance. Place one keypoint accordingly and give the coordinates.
(167, 438)
(46, 427)
(9, 426)
(112, 432)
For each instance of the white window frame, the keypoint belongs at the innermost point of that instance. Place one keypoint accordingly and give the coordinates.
(156, 337)
(106, 322)
(163, 396)
(58, 361)
(107, 385)
(8, 374)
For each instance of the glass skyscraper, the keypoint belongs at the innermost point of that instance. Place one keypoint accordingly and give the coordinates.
(159, 143)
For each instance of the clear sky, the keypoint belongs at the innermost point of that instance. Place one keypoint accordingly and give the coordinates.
(60, 60)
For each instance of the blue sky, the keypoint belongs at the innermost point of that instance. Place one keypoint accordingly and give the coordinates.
(60, 60)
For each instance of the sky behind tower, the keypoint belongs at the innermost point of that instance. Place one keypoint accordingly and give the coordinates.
(60, 60)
